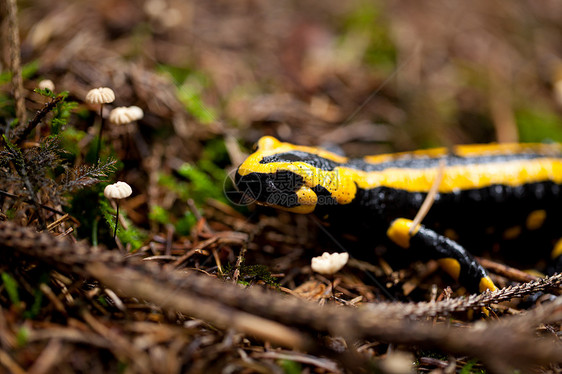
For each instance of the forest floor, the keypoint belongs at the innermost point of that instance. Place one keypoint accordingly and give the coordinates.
(196, 282)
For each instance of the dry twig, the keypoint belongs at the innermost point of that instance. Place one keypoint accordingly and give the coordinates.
(500, 344)
(15, 57)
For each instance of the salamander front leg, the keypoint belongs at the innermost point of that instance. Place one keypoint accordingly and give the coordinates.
(452, 257)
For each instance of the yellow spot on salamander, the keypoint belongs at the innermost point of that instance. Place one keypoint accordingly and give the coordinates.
(267, 143)
(399, 232)
(557, 251)
(486, 284)
(307, 197)
(451, 266)
(512, 232)
(535, 219)
(451, 234)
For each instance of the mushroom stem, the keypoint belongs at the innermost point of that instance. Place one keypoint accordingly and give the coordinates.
(99, 136)
(116, 221)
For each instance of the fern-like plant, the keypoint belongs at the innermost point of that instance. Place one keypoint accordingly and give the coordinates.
(40, 175)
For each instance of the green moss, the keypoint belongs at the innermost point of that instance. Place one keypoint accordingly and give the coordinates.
(133, 235)
(538, 124)
(203, 185)
(469, 368)
(184, 224)
(197, 181)
(254, 273)
(27, 71)
(159, 214)
(290, 367)
(191, 85)
(367, 20)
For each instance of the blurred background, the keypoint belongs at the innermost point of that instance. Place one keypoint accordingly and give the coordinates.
(212, 77)
(371, 75)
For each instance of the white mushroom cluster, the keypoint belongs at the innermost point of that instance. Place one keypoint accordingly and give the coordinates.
(101, 95)
(329, 263)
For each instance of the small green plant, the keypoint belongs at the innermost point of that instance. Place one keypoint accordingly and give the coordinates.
(42, 171)
(190, 85)
(22, 336)
(35, 308)
(182, 224)
(27, 71)
(198, 181)
(290, 367)
(203, 185)
(469, 368)
(45, 176)
(11, 288)
(133, 235)
(367, 21)
(538, 124)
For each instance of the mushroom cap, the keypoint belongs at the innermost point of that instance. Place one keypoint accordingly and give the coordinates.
(118, 190)
(329, 263)
(120, 116)
(123, 115)
(102, 95)
(46, 84)
(136, 112)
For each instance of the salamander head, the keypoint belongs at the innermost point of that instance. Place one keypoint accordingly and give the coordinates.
(293, 178)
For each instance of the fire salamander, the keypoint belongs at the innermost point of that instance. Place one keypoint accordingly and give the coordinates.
(501, 191)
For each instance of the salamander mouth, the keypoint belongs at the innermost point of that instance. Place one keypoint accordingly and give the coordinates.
(277, 189)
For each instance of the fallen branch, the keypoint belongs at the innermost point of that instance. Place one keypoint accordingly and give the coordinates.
(502, 345)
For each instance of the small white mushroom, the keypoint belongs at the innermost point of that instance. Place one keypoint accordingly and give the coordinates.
(101, 95)
(329, 263)
(123, 115)
(120, 116)
(47, 84)
(117, 191)
(136, 113)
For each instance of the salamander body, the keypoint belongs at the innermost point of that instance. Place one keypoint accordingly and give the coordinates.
(503, 190)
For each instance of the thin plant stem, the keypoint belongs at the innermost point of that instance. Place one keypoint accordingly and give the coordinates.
(99, 137)
(15, 57)
(116, 221)
(21, 132)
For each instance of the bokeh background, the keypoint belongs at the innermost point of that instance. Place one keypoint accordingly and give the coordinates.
(359, 73)
(212, 77)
